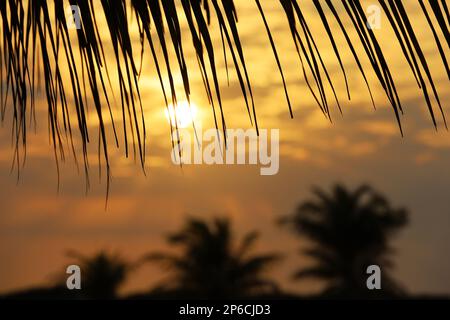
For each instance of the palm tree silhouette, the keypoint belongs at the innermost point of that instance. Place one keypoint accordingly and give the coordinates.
(210, 265)
(348, 230)
(102, 275)
(36, 40)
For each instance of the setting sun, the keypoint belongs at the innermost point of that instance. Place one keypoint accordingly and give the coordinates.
(183, 114)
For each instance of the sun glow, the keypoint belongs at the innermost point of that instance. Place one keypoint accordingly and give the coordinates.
(183, 114)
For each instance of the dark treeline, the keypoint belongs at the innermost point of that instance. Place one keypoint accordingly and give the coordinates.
(347, 231)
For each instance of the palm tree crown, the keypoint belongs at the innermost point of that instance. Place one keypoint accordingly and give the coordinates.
(211, 265)
(349, 231)
(102, 274)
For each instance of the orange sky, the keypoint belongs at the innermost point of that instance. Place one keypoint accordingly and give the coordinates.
(37, 224)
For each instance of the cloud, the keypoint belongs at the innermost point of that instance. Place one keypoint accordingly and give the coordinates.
(380, 128)
(432, 139)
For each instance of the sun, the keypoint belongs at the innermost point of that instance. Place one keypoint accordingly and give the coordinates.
(183, 114)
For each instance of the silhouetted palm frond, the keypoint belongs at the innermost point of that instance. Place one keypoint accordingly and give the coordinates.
(35, 40)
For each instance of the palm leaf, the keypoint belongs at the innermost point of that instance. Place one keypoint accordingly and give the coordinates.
(35, 41)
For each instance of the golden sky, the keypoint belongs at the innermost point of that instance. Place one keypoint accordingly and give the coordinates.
(37, 224)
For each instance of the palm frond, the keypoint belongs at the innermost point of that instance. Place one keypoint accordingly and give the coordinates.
(35, 41)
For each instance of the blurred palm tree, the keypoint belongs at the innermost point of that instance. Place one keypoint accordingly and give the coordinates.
(211, 265)
(348, 231)
(102, 275)
(36, 40)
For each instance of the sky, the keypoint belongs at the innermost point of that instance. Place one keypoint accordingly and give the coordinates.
(38, 223)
